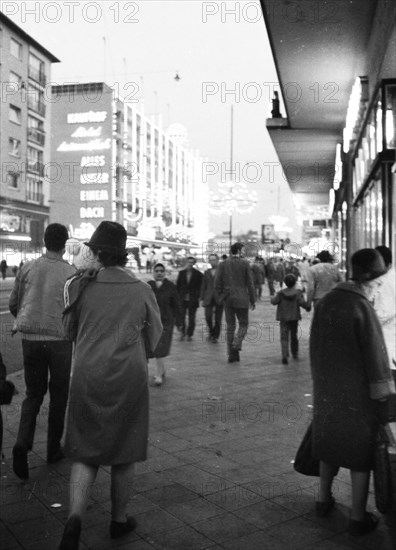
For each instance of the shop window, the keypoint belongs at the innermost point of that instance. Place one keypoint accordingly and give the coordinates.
(14, 147)
(15, 48)
(390, 116)
(15, 115)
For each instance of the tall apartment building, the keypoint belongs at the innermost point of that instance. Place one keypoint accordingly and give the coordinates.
(25, 118)
(110, 161)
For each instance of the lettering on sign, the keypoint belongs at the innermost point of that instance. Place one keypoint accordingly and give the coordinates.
(82, 132)
(94, 161)
(95, 177)
(93, 145)
(89, 116)
(92, 212)
(94, 195)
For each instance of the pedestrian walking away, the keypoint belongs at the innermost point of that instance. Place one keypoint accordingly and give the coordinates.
(352, 382)
(112, 317)
(188, 285)
(323, 276)
(36, 302)
(289, 301)
(168, 302)
(210, 300)
(234, 287)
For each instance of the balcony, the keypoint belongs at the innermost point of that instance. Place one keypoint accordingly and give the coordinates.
(36, 106)
(36, 135)
(37, 198)
(37, 76)
(36, 167)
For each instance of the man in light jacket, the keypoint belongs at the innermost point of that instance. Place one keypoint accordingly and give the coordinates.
(36, 302)
(235, 288)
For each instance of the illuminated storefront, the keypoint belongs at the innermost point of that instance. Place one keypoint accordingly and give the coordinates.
(112, 162)
(369, 178)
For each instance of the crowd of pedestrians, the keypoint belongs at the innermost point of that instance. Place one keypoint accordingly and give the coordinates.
(88, 334)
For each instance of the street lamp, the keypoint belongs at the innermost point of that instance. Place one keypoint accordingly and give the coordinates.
(232, 196)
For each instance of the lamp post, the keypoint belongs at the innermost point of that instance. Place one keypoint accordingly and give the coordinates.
(232, 196)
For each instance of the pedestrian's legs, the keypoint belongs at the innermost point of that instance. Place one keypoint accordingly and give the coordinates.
(284, 338)
(209, 319)
(121, 482)
(293, 327)
(243, 322)
(184, 313)
(327, 473)
(218, 315)
(231, 326)
(60, 354)
(192, 311)
(160, 364)
(271, 287)
(82, 478)
(35, 359)
(360, 486)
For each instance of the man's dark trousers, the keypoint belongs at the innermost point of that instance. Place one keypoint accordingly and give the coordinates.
(234, 341)
(191, 310)
(41, 358)
(216, 310)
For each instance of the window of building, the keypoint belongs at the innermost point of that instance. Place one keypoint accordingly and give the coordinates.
(37, 69)
(14, 147)
(34, 190)
(15, 79)
(13, 180)
(36, 130)
(14, 114)
(15, 48)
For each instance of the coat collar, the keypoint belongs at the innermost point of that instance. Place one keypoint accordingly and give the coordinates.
(351, 286)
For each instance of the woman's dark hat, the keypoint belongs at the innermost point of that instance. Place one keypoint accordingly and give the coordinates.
(367, 264)
(109, 237)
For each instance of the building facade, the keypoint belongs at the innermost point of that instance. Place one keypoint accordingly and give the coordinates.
(25, 121)
(110, 161)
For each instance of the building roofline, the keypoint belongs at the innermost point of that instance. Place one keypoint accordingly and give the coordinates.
(14, 27)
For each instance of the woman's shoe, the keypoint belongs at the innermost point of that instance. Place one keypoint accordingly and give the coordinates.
(159, 380)
(359, 528)
(118, 529)
(324, 508)
(71, 534)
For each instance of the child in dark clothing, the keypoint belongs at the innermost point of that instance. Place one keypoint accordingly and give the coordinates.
(289, 300)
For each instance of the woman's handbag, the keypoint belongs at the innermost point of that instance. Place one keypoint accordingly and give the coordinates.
(382, 472)
(304, 463)
(7, 390)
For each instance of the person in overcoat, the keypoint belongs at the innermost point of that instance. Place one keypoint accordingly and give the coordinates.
(188, 285)
(209, 299)
(234, 287)
(351, 385)
(109, 315)
(169, 305)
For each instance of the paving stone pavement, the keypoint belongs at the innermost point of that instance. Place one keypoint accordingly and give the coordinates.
(219, 473)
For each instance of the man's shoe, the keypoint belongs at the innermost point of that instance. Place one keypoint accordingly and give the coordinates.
(52, 458)
(189, 338)
(295, 356)
(233, 357)
(71, 534)
(118, 529)
(359, 528)
(20, 462)
(285, 361)
(214, 340)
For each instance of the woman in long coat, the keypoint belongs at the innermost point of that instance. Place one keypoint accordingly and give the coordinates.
(109, 314)
(168, 301)
(351, 377)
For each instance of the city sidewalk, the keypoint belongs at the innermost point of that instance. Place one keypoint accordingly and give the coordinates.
(219, 473)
